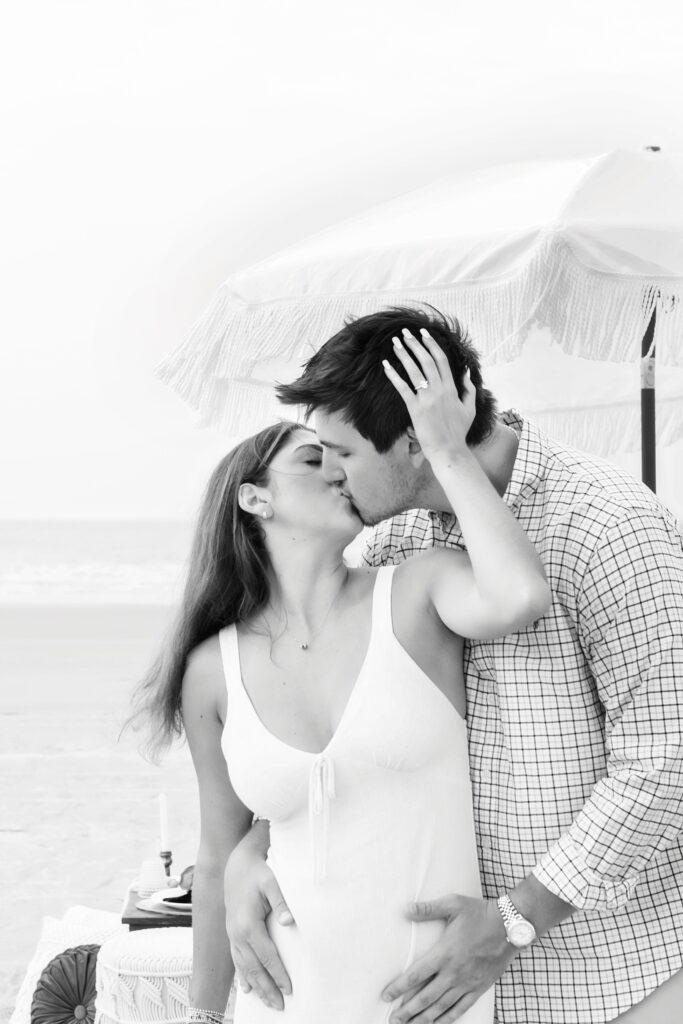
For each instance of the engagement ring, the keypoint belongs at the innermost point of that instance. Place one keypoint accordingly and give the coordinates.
(422, 384)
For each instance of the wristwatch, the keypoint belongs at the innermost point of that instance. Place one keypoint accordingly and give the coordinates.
(520, 932)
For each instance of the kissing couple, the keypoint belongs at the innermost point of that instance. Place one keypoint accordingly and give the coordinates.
(449, 776)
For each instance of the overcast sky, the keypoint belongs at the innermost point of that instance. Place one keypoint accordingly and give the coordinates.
(151, 147)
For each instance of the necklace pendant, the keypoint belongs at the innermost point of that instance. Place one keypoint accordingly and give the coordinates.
(304, 646)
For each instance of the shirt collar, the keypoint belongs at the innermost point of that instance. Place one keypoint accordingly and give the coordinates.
(529, 469)
(531, 461)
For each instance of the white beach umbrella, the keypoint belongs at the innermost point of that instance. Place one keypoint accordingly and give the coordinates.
(591, 249)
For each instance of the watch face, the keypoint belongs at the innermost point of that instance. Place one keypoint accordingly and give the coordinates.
(521, 933)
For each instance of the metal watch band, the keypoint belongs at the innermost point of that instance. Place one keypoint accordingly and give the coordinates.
(508, 911)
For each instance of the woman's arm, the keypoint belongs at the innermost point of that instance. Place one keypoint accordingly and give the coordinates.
(224, 822)
(500, 584)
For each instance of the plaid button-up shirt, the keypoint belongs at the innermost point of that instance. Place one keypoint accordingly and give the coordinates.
(575, 733)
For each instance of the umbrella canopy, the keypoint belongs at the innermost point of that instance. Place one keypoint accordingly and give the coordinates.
(589, 248)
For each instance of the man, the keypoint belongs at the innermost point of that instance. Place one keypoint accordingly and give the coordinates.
(574, 724)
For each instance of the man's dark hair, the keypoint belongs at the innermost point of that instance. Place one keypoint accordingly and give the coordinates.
(345, 376)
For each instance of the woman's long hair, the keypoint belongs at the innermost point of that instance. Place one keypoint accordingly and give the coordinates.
(227, 582)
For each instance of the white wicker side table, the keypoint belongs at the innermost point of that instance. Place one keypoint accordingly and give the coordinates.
(144, 976)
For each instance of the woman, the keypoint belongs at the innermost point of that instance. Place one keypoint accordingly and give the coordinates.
(325, 699)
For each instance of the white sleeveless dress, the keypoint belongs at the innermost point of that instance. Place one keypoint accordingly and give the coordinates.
(381, 817)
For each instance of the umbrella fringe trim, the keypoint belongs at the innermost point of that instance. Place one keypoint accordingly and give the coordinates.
(211, 348)
(604, 317)
(212, 373)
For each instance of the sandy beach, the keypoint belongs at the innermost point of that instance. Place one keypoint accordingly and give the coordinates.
(78, 809)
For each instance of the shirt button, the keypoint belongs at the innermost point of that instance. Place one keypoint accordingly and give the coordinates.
(485, 775)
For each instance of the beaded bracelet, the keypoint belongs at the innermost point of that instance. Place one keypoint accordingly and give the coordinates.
(197, 1016)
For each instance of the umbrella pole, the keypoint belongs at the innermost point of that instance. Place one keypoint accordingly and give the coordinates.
(647, 406)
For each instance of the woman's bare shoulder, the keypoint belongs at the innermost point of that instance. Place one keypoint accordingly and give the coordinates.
(205, 658)
(203, 682)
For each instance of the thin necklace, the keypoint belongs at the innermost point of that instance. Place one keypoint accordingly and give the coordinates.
(304, 645)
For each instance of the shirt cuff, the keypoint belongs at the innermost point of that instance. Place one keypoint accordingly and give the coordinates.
(564, 872)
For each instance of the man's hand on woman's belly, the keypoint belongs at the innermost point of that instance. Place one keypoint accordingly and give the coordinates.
(466, 961)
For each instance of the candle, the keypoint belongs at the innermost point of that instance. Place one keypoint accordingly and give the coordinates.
(163, 823)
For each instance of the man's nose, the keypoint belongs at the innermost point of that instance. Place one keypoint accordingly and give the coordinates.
(331, 469)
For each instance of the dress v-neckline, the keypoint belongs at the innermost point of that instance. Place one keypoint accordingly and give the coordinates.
(351, 698)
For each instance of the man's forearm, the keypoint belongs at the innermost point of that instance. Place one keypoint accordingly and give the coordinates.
(539, 905)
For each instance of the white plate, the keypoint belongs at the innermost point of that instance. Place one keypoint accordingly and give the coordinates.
(159, 907)
(167, 894)
(163, 900)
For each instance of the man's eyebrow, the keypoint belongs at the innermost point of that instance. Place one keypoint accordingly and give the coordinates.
(328, 444)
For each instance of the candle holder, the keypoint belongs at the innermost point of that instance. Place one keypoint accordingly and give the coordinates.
(167, 859)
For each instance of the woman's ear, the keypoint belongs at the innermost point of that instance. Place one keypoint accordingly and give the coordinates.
(255, 500)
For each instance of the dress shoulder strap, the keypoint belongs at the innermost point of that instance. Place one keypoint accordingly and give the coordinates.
(382, 623)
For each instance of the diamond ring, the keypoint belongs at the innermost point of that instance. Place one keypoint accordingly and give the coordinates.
(423, 384)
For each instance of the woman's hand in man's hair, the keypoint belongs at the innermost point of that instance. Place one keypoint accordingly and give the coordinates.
(441, 418)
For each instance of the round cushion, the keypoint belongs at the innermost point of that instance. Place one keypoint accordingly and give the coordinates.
(65, 993)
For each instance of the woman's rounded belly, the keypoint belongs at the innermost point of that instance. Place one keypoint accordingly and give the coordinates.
(342, 933)
(353, 922)
(349, 876)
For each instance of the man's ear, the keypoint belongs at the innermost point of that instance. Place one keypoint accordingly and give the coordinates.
(414, 448)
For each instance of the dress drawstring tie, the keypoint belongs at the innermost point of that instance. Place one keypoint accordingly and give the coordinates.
(321, 790)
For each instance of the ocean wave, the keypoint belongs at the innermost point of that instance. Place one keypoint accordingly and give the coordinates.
(92, 583)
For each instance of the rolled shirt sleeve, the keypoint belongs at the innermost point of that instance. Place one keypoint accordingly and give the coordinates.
(629, 620)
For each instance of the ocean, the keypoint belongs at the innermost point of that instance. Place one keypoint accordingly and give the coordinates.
(84, 608)
(86, 563)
